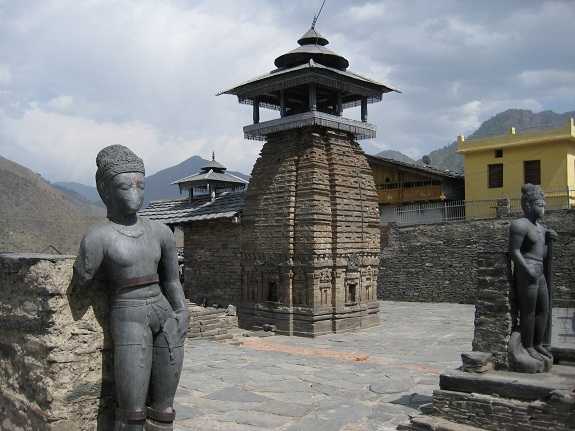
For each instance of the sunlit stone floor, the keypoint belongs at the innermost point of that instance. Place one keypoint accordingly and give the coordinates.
(368, 380)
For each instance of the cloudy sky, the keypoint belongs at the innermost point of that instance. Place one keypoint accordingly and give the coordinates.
(77, 75)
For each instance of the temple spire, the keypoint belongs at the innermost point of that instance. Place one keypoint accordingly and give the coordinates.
(317, 15)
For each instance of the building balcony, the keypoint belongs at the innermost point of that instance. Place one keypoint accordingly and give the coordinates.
(387, 196)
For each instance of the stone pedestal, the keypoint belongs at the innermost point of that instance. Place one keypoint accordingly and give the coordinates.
(55, 361)
(484, 398)
(310, 236)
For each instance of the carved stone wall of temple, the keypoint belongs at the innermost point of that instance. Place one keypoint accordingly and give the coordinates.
(310, 236)
(212, 262)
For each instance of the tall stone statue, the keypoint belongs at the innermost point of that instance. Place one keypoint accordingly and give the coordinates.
(529, 247)
(137, 260)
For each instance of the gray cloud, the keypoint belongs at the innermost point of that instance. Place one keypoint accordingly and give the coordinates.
(76, 75)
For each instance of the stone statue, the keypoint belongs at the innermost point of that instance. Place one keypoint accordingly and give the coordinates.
(529, 248)
(137, 260)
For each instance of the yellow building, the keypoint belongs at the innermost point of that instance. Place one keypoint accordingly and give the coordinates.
(497, 166)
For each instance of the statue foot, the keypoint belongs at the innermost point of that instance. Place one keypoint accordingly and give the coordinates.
(520, 359)
(547, 360)
(543, 351)
(535, 354)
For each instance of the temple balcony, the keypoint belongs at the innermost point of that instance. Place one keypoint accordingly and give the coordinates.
(360, 129)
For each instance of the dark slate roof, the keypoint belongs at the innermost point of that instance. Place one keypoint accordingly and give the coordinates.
(422, 169)
(178, 211)
(311, 65)
(211, 176)
(313, 36)
(212, 164)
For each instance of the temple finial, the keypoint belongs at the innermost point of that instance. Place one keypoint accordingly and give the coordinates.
(213, 156)
(317, 15)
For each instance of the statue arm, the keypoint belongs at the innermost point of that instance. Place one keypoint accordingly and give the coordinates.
(169, 271)
(170, 280)
(88, 261)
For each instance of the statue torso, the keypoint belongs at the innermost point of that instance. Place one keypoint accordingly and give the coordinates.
(131, 252)
(533, 246)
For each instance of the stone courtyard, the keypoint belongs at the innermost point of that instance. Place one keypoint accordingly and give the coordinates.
(368, 380)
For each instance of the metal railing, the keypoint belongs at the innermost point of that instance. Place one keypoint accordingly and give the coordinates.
(449, 211)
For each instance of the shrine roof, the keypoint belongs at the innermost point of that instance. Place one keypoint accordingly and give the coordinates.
(422, 169)
(178, 211)
(211, 175)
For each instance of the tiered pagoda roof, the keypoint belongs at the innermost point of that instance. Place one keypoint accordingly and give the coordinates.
(287, 89)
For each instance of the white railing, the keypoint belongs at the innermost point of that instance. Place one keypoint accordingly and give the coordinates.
(440, 212)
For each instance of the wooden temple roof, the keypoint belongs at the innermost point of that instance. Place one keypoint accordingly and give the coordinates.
(178, 211)
(354, 85)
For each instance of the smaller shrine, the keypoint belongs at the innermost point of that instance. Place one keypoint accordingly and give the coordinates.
(212, 180)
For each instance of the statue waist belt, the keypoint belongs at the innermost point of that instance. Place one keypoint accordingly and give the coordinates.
(136, 281)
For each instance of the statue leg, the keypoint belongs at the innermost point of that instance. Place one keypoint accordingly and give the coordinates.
(527, 298)
(132, 365)
(166, 369)
(541, 318)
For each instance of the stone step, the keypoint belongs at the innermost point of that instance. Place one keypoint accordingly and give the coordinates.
(435, 423)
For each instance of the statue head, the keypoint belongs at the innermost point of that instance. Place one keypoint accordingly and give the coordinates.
(532, 201)
(120, 180)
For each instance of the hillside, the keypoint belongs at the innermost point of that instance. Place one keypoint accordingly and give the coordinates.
(395, 155)
(521, 119)
(87, 193)
(37, 217)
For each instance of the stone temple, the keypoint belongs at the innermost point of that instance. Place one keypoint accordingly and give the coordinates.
(310, 225)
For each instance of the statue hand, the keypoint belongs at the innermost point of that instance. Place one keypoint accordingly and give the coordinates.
(183, 319)
(532, 274)
(552, 234)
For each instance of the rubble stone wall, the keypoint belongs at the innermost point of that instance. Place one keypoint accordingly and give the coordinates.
(55, 360)
(212, 262)
(501, 414)
(493, 314)
(439, 262)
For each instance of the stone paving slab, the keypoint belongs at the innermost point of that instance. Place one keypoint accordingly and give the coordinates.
(370, 380)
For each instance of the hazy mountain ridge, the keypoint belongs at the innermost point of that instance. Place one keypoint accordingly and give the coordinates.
(38, 217)
(158, 186)
(521, 119)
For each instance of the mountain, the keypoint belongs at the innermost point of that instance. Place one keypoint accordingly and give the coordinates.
(158, 186)
(521, 119)
(396, 155)
(37, 217)
(88, 193)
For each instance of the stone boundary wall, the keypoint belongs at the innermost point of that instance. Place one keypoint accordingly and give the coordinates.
(55, 361)
(439, 262)
(493, 310)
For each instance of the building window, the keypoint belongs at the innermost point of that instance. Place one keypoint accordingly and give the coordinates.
(532, 171)
(498, 153)
(496, 175)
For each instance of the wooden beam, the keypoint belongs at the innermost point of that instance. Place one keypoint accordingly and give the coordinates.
(282, 103)
(312, 97)
(364, 109)
(256, 111)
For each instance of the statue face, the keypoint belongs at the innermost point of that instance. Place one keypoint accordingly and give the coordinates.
(538, 208)
(126, 192)
(535, 208)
